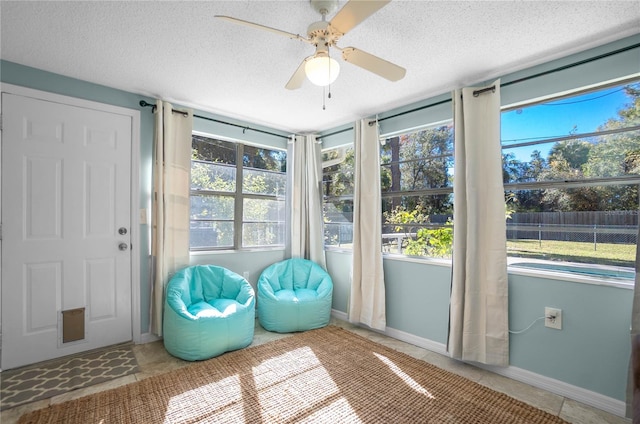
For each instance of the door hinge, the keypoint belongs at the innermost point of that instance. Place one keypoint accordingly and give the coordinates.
(0, 231)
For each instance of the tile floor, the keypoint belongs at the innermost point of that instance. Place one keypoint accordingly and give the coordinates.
(153, 359)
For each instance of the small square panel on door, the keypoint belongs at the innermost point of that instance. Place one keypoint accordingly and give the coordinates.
(72, 325)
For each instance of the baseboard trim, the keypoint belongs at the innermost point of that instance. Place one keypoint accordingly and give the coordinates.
(597, 400)
(339, 314)
(417, 341)
(148, 338)
(587, 397)
(400, 335)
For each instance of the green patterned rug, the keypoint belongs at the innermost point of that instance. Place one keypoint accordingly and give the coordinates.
(51, 378)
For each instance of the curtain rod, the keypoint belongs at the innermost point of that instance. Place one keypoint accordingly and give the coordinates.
(389, 117)
(476, 93)
(244, 128)
(506, 84)
(334, 133)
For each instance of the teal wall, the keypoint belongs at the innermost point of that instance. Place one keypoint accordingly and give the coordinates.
(252, 262)
(412, 309)
(339, 267)
(592, 349)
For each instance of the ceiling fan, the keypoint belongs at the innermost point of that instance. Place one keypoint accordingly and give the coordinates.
(321, 68)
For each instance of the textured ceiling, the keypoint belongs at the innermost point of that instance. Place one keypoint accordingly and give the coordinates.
(179, 52)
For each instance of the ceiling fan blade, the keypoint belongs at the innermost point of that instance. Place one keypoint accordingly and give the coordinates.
(374, 64)
(354, 12)
(298, 77)
(262, 27)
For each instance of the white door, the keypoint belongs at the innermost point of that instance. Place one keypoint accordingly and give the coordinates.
(66, 261)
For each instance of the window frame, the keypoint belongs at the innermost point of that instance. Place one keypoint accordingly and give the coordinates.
(344, 197)
(620, 180)
(431, 191)
(238, 198)
(422, 192)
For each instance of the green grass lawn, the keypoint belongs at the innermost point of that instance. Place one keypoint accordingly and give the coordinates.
(605, 253)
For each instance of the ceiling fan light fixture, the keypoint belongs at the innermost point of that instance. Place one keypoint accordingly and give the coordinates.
(322, 70)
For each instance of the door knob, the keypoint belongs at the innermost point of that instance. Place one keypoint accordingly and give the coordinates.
(123, 246)
(122, 231)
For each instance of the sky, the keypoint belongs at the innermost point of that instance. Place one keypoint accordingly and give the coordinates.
(581, 114)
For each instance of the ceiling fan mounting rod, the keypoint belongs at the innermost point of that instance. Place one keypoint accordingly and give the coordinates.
(324, 7)
(322, 49)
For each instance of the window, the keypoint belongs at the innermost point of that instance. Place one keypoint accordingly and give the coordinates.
(236, 203)
(337, 191)
(417, 185)
(571, 170)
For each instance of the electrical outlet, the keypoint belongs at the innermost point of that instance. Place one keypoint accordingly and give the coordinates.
(553, 318)
(246, 275)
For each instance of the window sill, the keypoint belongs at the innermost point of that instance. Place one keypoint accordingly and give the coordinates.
(229, 251)
(339, 249)
(623, 283)
(417, 259)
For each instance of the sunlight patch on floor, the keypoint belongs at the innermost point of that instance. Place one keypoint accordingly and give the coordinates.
(404, 376)
(224, 398)
(292, 384)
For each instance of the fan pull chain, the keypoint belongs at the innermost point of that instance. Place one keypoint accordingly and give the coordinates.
(323, 103)
(329, 54)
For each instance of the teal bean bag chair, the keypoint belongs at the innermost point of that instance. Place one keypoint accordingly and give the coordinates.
(208, 310)
(294, 295)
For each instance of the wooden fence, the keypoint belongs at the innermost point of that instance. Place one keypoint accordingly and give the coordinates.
(592, 227)
(620, 227)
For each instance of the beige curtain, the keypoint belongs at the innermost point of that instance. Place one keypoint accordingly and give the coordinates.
(367, 298)
(478, 322)
(171, 204)
(307, 236)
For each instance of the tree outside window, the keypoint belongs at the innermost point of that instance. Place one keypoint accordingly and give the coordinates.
(225, 214)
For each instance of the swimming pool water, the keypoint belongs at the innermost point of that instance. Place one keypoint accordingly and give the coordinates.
(600, 272)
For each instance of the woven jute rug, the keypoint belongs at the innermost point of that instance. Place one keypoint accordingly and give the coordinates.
(328, 375)
(51, 378)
